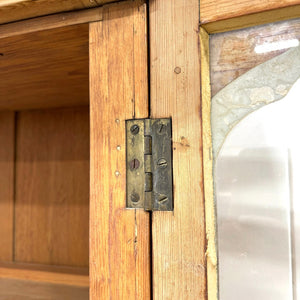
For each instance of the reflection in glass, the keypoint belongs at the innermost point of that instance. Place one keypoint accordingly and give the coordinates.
(257, 189)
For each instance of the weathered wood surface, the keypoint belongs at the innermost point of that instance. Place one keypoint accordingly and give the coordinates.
(179, 238)
(119, 237)
(210, 217)
(234, 53)
(225, 15)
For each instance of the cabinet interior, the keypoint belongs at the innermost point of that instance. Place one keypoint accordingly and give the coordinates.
(44, 164)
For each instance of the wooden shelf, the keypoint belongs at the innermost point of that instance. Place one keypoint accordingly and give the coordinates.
(45, 273)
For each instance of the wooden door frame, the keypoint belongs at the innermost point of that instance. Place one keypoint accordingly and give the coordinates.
(179, 74)
(174, 30)
(120, 262)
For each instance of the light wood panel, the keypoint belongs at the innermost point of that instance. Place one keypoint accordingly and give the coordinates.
(7, 153)
(51, 22)
(119, 237)
(43, 273)
(233, 53)
(225, 15)
(179, 238)
(45, 69)
(14, 289)
(14, 10)
(52, 187)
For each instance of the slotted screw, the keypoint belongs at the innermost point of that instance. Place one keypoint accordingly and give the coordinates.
(134, 129)
(162, 163)
(135, 197)
(161, 128)
(134, 164)
(162, 199)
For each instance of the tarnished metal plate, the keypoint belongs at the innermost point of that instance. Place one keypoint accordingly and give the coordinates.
(162, 193)
(135, 174)
(149, 164)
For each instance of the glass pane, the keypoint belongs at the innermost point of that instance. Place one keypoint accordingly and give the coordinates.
(256, 170)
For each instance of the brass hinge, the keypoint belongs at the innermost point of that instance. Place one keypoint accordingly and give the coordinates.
(149, 182)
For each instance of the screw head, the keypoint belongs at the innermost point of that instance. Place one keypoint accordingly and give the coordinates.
(135, 197)
(162, 199)
(162, 163)
(161, 128)
(134, 129)
(134, 164)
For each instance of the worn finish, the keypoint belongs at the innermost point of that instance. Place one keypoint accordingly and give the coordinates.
(161, 163)
(119, 237)
(260, 86)
(149, 164)
(135, 164)
(210, 216)
(7, 140)
(235, 53)
(179, 242)
(42, 69)
(52, 187)
(15, 10)
(226, 15)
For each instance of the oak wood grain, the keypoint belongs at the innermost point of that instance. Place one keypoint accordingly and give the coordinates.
(15, 289)
(45, 69)
(119, 237)
(51, 22)
(52, 187)
(179, 238)
(45, 273)
(226, 15)
(7, 152)
(15, 10)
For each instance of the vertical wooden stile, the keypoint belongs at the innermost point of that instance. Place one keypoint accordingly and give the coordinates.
(119, 237)
(179, 239)
(210, 221)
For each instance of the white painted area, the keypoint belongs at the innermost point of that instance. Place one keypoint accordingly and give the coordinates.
(275, 46)
(257, 176)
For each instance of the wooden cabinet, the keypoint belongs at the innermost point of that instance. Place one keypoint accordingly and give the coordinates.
(68, 83)
(71, 73)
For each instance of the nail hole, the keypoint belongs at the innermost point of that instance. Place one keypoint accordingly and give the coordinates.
(177, 70)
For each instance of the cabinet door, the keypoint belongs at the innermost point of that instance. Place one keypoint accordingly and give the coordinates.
(119, 237)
